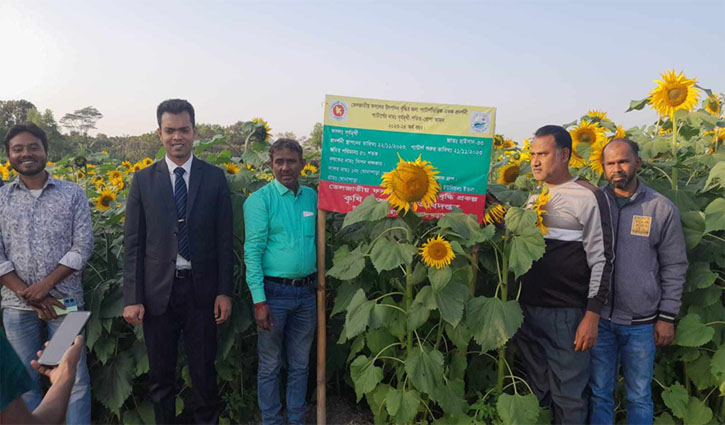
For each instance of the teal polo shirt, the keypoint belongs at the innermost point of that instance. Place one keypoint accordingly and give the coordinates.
(279, 235)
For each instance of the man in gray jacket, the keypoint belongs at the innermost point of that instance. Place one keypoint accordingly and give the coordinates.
(649, 272)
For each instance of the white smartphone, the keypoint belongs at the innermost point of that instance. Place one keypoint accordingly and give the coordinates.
(71, 326)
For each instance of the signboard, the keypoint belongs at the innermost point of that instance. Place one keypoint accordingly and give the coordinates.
(362, 139)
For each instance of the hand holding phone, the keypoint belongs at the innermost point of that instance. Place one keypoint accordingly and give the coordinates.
(66, 369)
(72, 325)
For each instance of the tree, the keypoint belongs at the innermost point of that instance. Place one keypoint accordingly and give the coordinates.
(81, 120)
(315, 140)
(13, 112)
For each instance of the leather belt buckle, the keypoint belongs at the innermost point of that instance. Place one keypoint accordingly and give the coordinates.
(182, 273)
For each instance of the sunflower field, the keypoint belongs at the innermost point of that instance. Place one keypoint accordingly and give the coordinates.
(420, 311)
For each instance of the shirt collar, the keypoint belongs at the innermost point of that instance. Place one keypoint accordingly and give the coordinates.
(18, 183)
(172, 165)
(283, 190)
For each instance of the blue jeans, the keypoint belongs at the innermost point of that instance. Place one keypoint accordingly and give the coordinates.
(634, 348)
(294, 317)
(24, 331)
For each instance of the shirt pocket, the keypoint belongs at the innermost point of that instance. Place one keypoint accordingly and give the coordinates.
(308, 223)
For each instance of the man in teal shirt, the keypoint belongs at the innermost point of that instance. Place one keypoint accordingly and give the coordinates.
(280, 256)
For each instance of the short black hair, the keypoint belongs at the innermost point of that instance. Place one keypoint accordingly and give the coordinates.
(283, 143)
(633, 147)
(175, 106)
(561, 136)
(25, 128)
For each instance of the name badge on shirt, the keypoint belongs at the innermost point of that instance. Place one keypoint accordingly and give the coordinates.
(307, 213)
(641, 225)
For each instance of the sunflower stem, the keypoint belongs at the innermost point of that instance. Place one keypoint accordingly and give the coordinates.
(504, 297)
(408, 301)
(674, 153)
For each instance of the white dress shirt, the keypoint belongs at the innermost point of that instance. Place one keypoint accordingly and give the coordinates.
(181, 262)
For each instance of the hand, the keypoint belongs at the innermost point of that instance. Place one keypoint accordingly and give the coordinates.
(36, 293)
(263, 316)
(45, 309)
(222, 308)
(586, 332)
(66, 369)
(664, 333)
(134, 314)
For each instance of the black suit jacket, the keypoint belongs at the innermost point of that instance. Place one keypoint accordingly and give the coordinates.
(151, 245)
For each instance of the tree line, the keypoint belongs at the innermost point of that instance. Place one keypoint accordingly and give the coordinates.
(71, 134)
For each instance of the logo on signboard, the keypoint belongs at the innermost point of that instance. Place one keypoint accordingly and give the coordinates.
(338, 110)
(480, 122)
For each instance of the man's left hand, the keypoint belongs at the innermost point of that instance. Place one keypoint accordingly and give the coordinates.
(664, 333)
(222, 308)
(36, 293)
(586, 333)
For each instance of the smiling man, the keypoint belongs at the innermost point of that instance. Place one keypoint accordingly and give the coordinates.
(650, 267)
(46, 238)
(178, 263)
(563, 293)
(279, 252)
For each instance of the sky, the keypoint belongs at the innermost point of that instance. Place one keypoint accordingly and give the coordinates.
(537, 62)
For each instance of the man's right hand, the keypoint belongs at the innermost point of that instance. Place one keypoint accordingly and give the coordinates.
(263, 316)
(134, 314)
(45, 309)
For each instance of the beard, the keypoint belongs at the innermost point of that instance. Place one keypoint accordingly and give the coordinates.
(621, 184)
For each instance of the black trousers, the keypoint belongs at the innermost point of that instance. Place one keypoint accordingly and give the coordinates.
(161, 333)
(557, 374)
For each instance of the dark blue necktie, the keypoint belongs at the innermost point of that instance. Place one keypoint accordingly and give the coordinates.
(180, 200)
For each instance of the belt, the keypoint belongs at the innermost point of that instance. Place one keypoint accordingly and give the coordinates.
(182, 274)
(302, 281)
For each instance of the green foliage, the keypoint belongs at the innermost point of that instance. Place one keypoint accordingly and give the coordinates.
(517, 409)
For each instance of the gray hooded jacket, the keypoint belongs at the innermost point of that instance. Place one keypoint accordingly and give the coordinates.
(650, 259)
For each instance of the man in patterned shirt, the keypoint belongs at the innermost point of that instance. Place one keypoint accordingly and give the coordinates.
(45, 240)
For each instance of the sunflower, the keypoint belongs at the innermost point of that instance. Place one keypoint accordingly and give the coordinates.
(80, 174)
(597, 115)
(249, 167)
(50, 163)
(620, 134)
(147, 161)
(126, 164)
(308, 170)
(674, 92)
(105, 199)
(4, 172)
(231, 168)
(137, 167)
(437, 252)
(263, 131)
(713, 105)
(118, 185)
(508, 173)
(498, 141)
(538, 206)
(718, 139)
(508, 143)
(494, 215)
(595, 157)
(576, 161)
(526, 151)
(409, 183)
(586, 132)
(115, 175)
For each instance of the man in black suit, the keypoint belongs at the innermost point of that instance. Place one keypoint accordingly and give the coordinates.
(178, 263)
